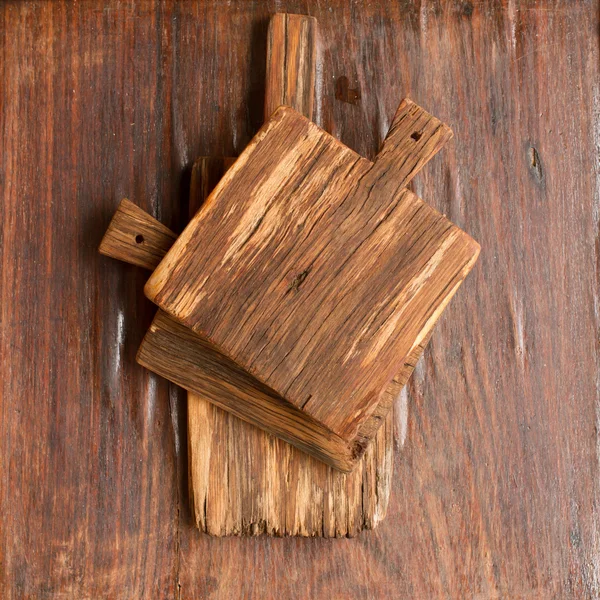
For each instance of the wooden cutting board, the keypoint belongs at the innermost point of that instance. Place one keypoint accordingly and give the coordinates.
(311, 274)
(229, 495)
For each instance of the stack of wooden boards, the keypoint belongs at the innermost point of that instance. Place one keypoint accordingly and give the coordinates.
(298, 299)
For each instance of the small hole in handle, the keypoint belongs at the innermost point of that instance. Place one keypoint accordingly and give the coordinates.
(416, 136)
(139, 238)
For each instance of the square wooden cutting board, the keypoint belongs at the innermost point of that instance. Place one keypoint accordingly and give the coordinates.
(311, 274)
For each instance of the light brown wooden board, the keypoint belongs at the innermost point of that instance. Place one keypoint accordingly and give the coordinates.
(320, 285)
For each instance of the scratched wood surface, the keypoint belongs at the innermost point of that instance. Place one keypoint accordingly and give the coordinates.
(496, 484)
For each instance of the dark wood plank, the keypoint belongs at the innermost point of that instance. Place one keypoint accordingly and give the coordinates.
(88, 454)
(497, 477)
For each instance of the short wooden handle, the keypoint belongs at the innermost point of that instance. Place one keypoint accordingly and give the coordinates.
(413, 139)
(291, 63)
(135, 237)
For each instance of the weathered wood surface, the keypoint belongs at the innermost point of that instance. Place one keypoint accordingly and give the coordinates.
(314, 271)
(496, 487)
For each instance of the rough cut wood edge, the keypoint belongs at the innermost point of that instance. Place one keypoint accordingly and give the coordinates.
(136, 237)
(246, 482)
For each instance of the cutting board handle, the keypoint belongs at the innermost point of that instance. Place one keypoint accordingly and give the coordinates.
(414, 138)
(291, 63)
(136, 237)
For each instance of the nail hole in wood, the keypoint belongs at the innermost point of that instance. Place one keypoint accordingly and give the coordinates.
(416, 136)
(139, 238)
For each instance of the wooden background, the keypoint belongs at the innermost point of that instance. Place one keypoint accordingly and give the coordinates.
(496, 488)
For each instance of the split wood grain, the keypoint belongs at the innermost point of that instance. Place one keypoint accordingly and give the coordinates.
(326, 278)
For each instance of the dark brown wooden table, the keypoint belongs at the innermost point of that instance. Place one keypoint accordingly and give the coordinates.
(496, 487)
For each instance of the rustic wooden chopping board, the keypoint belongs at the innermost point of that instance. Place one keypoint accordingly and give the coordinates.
(310, 275)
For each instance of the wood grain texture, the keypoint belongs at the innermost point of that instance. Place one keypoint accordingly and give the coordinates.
(495, 493)
(319, 284)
